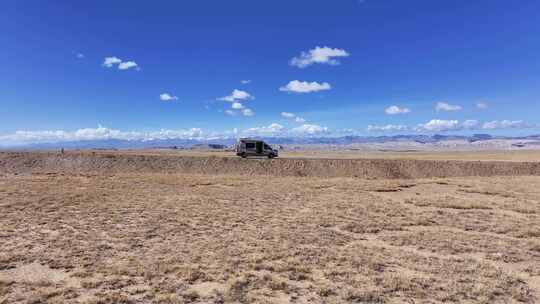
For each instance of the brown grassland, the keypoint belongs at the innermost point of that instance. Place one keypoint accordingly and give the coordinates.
(147, 237)
(497, 155)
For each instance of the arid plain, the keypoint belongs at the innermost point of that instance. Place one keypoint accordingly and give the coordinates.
(98, 227)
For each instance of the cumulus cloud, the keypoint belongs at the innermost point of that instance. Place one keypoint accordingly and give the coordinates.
(387, 128)
(109, 62)
(471, 124)
(393, 110)
(439, 125)
(297, 86)
(237, 95)
(278, 130)
(443, 106)
(237, 106)
(287, 115)
(80, 55)
(167, 97)
(506, 124)
(245, 81)
(247, 112)
(292, 116)
(322, 55)
(482, 105)
(127, 65)
(99, 133)
(308, 129)
(102, 133)
(271, 130)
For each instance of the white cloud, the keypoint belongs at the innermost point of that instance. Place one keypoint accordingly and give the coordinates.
(237, 95)
(297, 86)
(271, 130)
(167, 97)
(245, 81)
(99, 133)
(287, 115)
(506, 124)
(482, 105)
(387, 128)
(127, 65)
(80, 55)
(439, 125)
(276, 129)
(174, 134)
(323, 55)
(237, 106)
(247, 112)
(470, 124)
(308, 129)
(393, 110)
(102, 133)
(110, 61)
(443, 106)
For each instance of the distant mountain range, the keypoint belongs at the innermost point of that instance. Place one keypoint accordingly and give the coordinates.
(227, 142)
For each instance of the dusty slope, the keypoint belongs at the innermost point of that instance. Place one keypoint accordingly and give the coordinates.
(177, 238)
(110, 163)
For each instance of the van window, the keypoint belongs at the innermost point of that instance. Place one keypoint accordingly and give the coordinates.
(250, 145)
(267, 147)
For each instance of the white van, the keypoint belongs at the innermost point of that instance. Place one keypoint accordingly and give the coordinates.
(252, 147)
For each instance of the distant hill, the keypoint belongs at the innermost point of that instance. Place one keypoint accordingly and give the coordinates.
(222, 143)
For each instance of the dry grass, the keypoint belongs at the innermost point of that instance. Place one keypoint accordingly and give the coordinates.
(501, 155)
(485, 155)
(147, 162)
(177, 238)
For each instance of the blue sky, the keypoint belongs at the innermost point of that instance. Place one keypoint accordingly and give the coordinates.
(354, 60)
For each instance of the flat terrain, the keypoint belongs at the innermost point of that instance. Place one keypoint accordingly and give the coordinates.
(147, 237)
(501, 155)
(496, 155)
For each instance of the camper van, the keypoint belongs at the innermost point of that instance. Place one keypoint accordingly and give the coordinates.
(252, 147)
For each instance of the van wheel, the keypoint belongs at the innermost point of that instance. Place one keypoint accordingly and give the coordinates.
(243, 155)
(270, 156)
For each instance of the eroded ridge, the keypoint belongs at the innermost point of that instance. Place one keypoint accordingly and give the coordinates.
(143, 162)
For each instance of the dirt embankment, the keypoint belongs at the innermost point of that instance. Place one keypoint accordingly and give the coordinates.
(111, 163)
